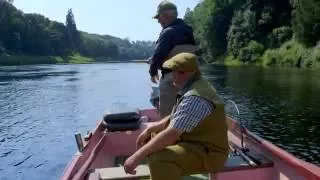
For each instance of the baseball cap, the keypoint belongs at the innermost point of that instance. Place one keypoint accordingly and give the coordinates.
(165, 6)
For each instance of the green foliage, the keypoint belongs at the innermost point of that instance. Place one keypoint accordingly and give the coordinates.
(29, 35)
(74, 35)
(8, 60)
(78, 59)
(232, 61)
(188, 17)
(279, 36)
(306, 21)
(199, 21)
(2, 50)
(268, 32)
(292, 54)
(316, 55)
(210, 20)
(218, 27)
(251, 53)
(241, 31)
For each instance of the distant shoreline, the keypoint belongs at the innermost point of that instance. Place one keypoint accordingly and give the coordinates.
(15, 60)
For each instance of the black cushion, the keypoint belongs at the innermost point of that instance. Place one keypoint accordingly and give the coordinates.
(123, 121)
(123, 126)
(122, 118)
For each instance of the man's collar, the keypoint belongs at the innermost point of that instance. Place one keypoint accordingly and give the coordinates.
(188, 85)
(172, 23)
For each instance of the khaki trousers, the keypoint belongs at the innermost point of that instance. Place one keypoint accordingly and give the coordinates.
(180, 160)
(173, 163)
(168, 95)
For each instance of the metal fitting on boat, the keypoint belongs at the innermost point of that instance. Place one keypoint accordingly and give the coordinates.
(88, 136)
(79, 141)
(144, 119)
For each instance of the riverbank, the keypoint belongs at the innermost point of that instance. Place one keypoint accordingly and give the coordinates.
(13, 60)
(290, 54)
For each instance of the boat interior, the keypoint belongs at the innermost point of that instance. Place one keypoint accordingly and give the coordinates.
(117, 142)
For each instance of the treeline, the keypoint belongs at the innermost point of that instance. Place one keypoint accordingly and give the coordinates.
(36, 35)
(263, 32)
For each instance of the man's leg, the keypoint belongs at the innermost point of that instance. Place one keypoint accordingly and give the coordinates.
(168, 95)
(174, 162)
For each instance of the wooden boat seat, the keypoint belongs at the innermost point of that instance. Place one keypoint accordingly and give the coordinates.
(116, 173)
(234, 163)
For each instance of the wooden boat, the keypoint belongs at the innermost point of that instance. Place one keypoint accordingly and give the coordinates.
(104, 150)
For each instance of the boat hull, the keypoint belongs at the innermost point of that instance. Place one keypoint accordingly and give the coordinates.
(104, 149)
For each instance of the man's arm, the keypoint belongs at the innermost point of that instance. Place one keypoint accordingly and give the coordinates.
(162, 50)
(147, 134)
(165, 138)
(160, 125)
(190, 112)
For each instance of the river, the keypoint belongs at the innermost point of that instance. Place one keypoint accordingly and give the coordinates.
(41, 107)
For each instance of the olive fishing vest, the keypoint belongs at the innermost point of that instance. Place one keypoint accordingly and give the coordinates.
(211, 132)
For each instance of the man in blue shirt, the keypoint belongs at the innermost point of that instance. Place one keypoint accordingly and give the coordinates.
(175, 37)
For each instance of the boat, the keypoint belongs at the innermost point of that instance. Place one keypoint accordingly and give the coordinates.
(102, 152)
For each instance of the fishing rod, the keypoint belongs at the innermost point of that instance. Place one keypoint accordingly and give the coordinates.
(242, 129)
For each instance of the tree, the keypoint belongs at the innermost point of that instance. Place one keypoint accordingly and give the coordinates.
(3, 8)
(306, 21)
(188, 17)
(74, 35)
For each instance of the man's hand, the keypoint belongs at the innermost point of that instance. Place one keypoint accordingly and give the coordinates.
(155, 78)
(143, 138)
(131, 164)
(165, 138)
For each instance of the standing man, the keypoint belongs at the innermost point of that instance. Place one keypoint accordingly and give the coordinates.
(176, 36)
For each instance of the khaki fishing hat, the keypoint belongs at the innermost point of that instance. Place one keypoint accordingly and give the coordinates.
(165, 6)
(185, 62)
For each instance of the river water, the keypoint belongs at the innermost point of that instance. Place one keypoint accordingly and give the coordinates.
(41, 107)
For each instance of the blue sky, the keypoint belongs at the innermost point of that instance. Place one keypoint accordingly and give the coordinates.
(121, 18)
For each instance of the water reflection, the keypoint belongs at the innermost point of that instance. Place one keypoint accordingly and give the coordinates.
(281, 105)
(18, 73)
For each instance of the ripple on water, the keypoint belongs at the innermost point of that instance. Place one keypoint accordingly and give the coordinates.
(22, 161)
(40, 164)
(5, 154)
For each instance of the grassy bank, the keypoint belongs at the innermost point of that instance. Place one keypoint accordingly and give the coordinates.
(290, 54)
(10, 60)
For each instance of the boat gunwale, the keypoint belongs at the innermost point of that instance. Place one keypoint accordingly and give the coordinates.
(69, 171)
(289, 158)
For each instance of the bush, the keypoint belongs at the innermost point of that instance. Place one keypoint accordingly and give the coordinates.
(2, 50)
(292, 54)
(232, 61)
(316, 54)
(270, 57)
(279, 36)
(251, 53)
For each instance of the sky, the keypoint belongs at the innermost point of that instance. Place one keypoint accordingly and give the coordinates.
(121, 18)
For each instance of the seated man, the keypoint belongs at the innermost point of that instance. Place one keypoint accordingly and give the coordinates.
(193, 139)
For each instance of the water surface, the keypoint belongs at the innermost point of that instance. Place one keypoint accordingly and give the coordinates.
(41, 107)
